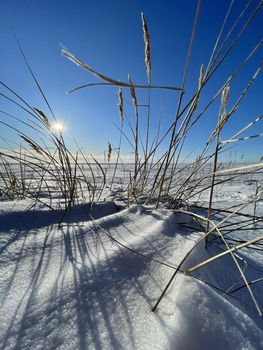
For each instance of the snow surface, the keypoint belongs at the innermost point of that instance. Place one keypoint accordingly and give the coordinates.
(75, 287)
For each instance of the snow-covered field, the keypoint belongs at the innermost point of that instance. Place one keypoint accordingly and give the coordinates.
(92, 283)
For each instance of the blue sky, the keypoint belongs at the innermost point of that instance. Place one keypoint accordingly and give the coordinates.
(108, 36)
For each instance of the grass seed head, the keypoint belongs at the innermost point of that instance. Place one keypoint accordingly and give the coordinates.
(43, 117)
(120, 104)
(200, 84)
(31, 144)
(109, 151)
(133, 94)
(224, 99)
(223, 115)
(147, 47)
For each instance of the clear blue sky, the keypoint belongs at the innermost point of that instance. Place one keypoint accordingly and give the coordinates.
(108, 36)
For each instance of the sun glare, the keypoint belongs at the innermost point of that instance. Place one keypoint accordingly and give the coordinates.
(58, 127)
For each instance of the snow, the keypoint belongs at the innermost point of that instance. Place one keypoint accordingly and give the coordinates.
(91, 283)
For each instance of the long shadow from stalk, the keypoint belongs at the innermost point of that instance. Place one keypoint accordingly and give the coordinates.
(23, 221)
(100, 288)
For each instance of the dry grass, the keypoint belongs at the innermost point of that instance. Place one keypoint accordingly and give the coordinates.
(160, 175)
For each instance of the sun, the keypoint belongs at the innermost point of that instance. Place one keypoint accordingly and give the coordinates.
(58, 127)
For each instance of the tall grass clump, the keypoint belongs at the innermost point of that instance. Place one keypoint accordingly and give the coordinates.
(162, 174)
(39, 164)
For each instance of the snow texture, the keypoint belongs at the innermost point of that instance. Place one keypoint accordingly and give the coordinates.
(75, 287)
